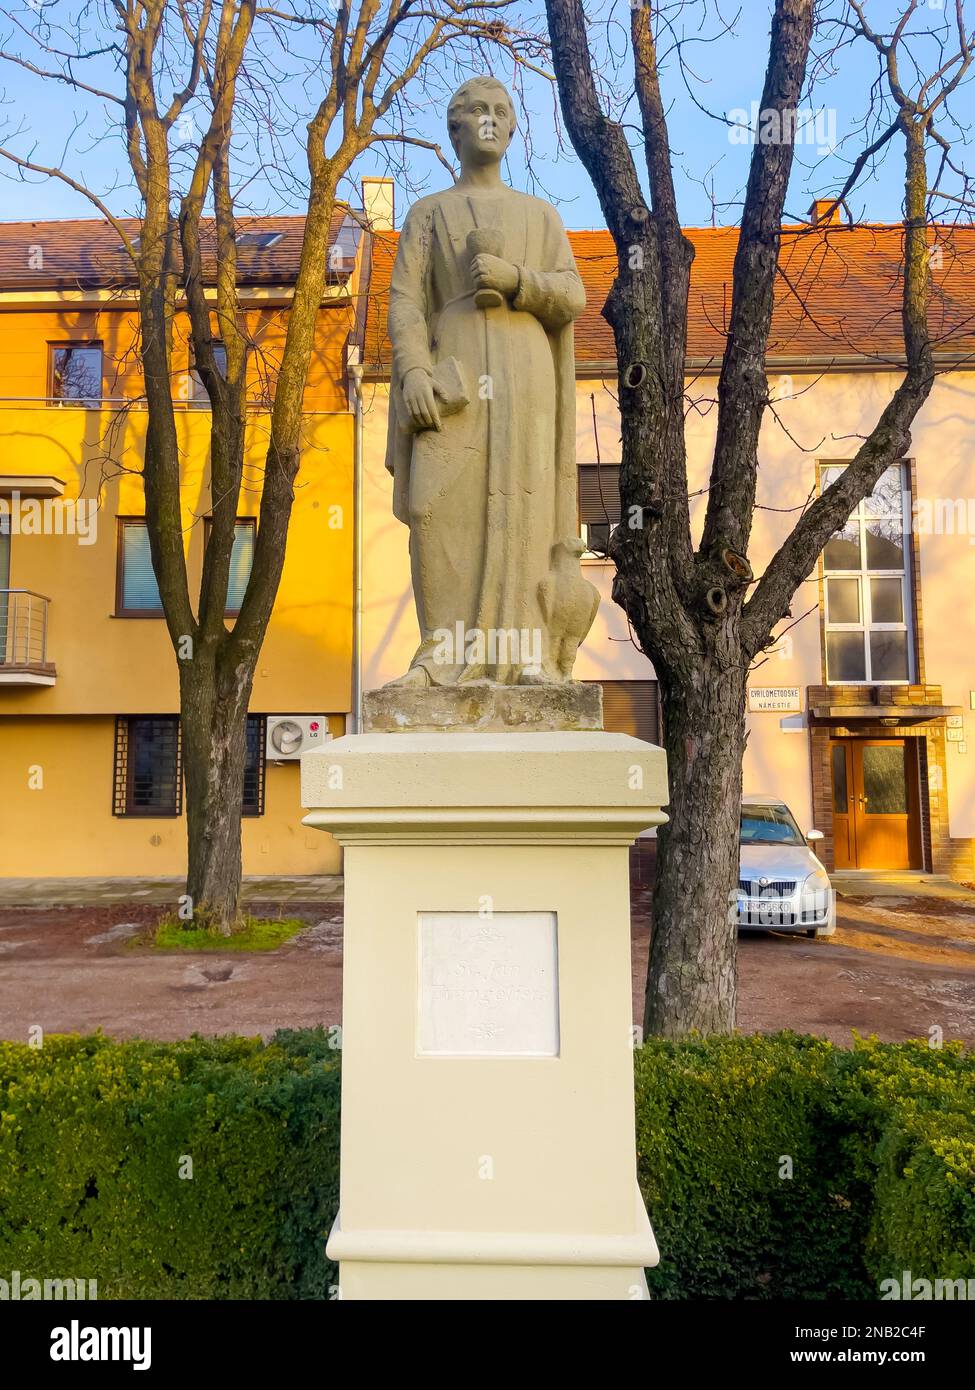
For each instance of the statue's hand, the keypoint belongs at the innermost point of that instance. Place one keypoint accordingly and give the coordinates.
(492, 273)
(420, 400)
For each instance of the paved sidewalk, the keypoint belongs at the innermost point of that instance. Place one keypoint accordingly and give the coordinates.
(283, 888)
(93, 892)
(898, 883)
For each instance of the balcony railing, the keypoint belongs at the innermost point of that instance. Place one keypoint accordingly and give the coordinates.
(23, 639)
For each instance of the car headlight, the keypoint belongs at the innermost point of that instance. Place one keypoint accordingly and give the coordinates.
(816, 895)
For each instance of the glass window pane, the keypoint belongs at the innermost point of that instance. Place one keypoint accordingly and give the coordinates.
(597, 535)
(888, 656)
(140, 592)
(845, 657)
(77, 374)
(886, 600)
(253, 798)
(154, 765)
(199, 396)
(241, 559)
(843, 600)
(885, 544)
(828, 476)
(884, 779)
(887, 496)
(840, 790)
(843, 549)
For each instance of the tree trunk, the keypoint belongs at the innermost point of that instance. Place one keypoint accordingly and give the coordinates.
(214, 714)
(691, 982)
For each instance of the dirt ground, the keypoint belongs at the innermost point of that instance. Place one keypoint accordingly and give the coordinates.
(896, 967)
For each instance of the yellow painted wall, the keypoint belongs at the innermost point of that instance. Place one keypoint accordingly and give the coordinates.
(56, 812)
(26, 335)
(108, 665)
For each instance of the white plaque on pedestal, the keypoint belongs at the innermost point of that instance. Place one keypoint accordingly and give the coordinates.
(489, 986)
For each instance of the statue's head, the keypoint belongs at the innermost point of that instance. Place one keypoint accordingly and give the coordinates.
(481, 120)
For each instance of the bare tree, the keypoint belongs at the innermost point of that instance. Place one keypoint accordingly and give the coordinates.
(698, 611)
(246, 70)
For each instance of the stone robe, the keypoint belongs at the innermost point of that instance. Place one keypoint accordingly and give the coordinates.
(490, 498)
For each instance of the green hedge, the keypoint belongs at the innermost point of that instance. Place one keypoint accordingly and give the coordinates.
(782, 1167)
(94, 1136)
(773, 1167)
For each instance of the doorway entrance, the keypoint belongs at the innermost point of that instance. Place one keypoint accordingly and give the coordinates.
(876, 803)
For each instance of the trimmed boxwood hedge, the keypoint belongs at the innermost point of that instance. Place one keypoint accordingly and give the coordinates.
(773, 1167)
(94, 1142)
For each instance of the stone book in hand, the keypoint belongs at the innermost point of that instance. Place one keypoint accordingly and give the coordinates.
(450, 388)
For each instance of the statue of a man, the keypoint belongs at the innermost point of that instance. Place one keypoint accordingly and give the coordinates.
(482, 418)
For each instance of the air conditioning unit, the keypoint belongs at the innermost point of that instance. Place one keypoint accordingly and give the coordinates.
(290, 735)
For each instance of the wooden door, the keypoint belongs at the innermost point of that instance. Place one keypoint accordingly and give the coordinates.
(844, 831)
(876, 804)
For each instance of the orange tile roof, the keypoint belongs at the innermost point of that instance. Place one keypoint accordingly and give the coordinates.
(87, 253)
(837, 294)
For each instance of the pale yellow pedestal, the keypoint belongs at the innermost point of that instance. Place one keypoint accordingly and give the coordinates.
(469, 1172)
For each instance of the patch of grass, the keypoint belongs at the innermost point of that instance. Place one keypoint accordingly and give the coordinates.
(252, 934)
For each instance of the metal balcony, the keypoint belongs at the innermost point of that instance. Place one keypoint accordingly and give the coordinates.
(23, 639)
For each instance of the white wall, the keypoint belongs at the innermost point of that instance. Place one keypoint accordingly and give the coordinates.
(822, 418)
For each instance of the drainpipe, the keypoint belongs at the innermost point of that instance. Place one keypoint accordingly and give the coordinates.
(355, 378)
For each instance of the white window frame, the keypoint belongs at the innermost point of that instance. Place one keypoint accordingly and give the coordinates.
(595, 556)
(198, 397)
(863, 576)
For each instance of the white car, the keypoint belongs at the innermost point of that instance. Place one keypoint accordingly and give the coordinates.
(782, 886)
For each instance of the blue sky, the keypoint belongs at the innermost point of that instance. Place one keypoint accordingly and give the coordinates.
(38, 117)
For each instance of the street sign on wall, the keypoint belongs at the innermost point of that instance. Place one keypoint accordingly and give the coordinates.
(774, 699)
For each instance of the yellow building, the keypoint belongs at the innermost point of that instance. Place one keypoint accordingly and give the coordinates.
(89, 729)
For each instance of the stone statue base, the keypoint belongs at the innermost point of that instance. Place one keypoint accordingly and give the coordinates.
(487, 1057)
(572, 706)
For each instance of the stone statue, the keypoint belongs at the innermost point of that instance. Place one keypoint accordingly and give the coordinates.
(481, 439)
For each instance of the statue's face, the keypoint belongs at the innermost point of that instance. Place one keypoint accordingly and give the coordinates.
(482, 125)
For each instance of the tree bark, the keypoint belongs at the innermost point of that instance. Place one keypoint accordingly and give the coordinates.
(213, 702)
(691, 982)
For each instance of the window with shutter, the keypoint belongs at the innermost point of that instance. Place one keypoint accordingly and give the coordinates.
(241, 560)
(148, 766)
(148, 771)
(137, 593)
(632, 707)
(599, 504)
(253, 800)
